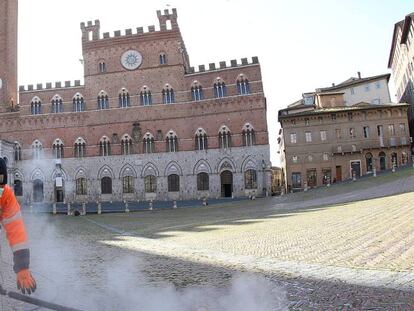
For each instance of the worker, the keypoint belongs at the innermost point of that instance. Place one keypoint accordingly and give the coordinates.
(12, 222)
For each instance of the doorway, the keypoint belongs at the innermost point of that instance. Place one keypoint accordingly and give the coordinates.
(38, 191)
(383, 161)
(226, 179)
(356, 169)
(338, 175)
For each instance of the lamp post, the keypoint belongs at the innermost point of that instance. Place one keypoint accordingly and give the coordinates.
(374, 168)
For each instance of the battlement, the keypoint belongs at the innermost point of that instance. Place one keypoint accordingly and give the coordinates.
(91, 30)
(223, 65)
(48, 86)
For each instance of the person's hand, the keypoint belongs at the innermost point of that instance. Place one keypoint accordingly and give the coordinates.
(25, 281)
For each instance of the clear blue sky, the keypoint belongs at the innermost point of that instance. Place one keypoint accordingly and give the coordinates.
(301, 44)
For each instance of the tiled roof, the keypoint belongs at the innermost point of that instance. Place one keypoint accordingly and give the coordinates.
(353, 81)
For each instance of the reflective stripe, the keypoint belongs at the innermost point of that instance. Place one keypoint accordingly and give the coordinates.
(19, 247)
(16, 216)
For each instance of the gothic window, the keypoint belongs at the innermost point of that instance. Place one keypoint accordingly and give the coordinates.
(248, 135)
(103, 100)
(145, 96)
(124, 100)
(102, 66)
(224, 138)
(58, 148)
(81, 186)
(242, 85)
(173, 183)
(172, 142)
(202, 182)
(168, 95)
(36, 105)
(150, 182)
(57, 104)
(149, 143)
(106, 185)
(37, 149)
(128, 184)
(80, 148)
(250, 179)
(126, 144)
(201, 140)
(219, 88)
(196, 91)
(17, 152)
(163, 59)
(104, 147)
(78, 103)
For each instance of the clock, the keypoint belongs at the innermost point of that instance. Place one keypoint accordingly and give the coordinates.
(131, 59)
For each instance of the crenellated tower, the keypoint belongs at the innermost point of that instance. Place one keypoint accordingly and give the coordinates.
(8, 54)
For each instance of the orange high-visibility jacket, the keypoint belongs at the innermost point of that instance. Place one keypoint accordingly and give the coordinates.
(11, 219)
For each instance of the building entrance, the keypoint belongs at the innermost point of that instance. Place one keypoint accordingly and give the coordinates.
(226, 178)
(37, 190)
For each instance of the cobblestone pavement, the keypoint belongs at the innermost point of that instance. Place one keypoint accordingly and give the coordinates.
(338, 250)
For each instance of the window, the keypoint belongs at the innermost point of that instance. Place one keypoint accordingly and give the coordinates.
(145, 97)
(323, 135)
(80, 148)
(352, 133)
(352, 91)
(106, 185)
(307, 121)
(219, 88)
(149, 143)
(391, 129)
(36, 106)
(248, 135)
(224, 138)
(78, 103)
(325, 157)
(295, 159)
(201, 142)
(173, 183)
(350, 116)
(202, 182)
(242, 85)
(57, 104)
(126, 145)
(17, 152)
(308, 137)
(380, 130)
(58, 149)
(127, 184)
(37, 149)
(150, 182)
(311, 177)
(124, 100)
(81, 186)
(250, 179)
(293, 138)
(366, 131)
(378, 84)
(354, 149)
(196, 91)
(402, 128)
(102, 67)
(103, 101)
(168, 95)
(338, 133)
(293, 122)
(104, 147)
(163, 59)
(333, 117)
(172, 142)
(365, 115)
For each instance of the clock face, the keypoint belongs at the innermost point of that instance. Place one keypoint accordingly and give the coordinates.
(131, 59)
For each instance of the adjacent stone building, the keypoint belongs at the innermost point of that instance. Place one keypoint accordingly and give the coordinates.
(145, 125)
(325, 139)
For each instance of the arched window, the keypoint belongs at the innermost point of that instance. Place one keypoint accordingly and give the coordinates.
(81, 186)
(148, 143)
(145, 96)
(104, 147)
(150, 184)
(173, 183)
(242, 85)
(368, 161)
(126, 144)
(219, 88)
(106, 185)
(36, 105)
(18, 187)
(196, 91)
(103, 100)
(249, 138)
(37, 149)
(57, 104)
(202, 182)
(172, 142)
(17, 151)
(163, 59)
(58, 148)
(102, 66)
(78, 103)
(168, 95)
(201, 142)
(124, 100)
(128, 184)
(80, 148)
(250, 179)
(224, 137)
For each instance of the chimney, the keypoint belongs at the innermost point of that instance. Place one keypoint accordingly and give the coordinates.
(359, 75)
(333, 84)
